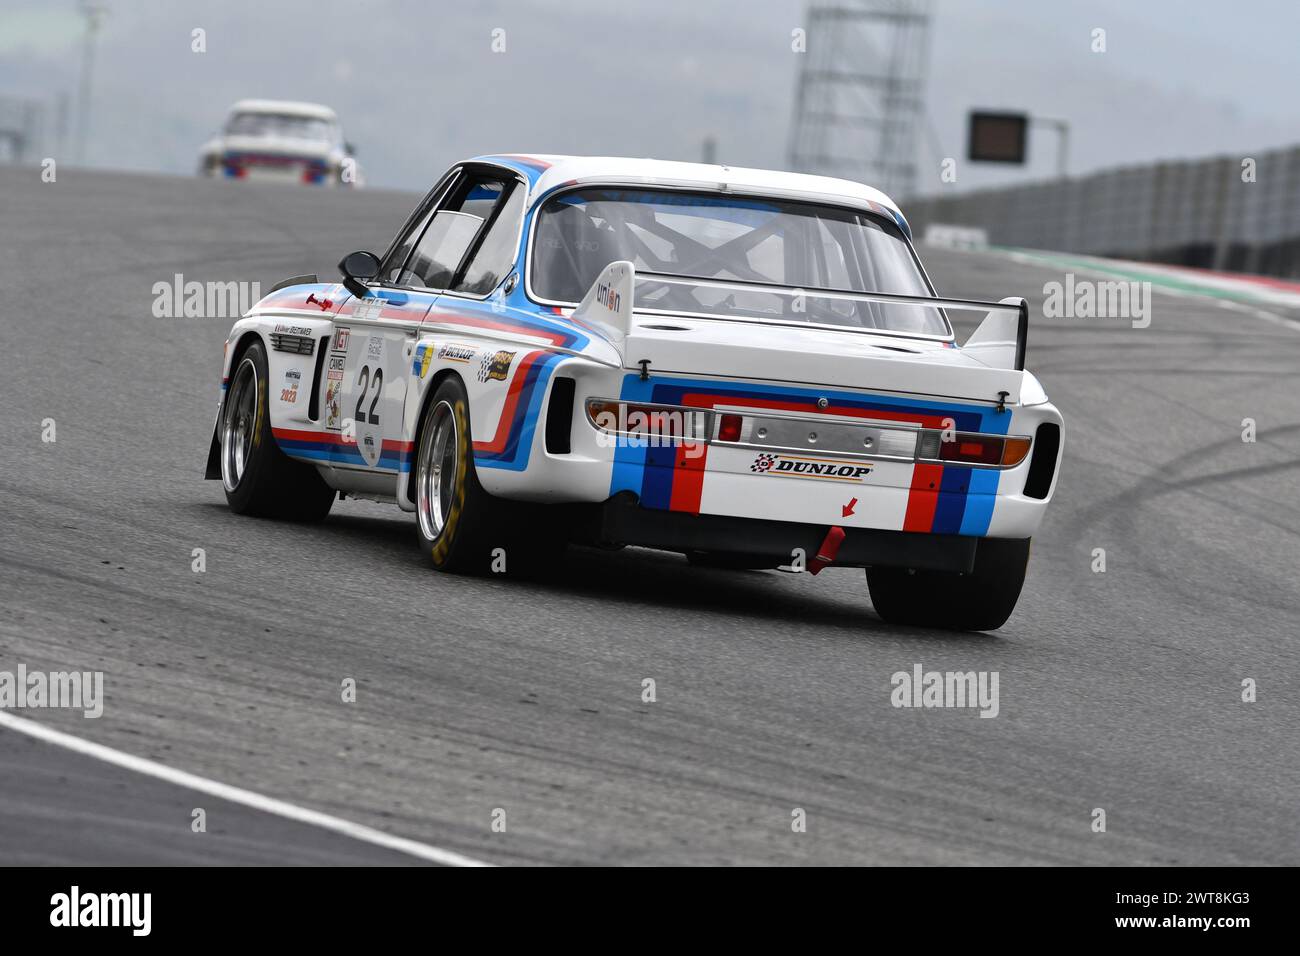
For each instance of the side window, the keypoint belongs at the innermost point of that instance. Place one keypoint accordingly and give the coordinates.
(392, 271)
(495, 256)
(451, 232)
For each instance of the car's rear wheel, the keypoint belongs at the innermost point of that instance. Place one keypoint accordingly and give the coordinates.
(451, 506)
(979, 601)
(462, 528)
(260, 479)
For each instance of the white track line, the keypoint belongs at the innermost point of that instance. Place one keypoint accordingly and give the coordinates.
(224, 791)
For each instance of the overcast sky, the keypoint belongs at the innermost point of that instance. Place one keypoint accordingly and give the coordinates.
(418, 86)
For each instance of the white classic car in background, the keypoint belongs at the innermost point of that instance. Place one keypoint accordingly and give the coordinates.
(747, 367)
(282, 141)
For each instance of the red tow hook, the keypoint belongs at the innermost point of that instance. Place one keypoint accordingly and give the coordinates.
(830, 547)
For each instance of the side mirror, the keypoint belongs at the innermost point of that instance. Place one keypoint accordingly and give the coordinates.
(357, 269)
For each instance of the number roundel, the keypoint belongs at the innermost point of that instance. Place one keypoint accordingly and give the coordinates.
(369, 432)
(364, 383)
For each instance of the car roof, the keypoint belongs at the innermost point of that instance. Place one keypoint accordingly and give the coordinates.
(286, 107)
(546, 172)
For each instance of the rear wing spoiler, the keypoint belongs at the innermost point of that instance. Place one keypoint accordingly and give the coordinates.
(998, 342)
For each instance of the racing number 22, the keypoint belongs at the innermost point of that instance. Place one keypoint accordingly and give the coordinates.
(364, 382)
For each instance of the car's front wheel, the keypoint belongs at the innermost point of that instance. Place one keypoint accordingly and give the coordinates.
(979, 601)
(260, 479)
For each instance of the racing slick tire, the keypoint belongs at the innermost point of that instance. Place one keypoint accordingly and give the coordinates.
(452, 509)
(979, 601)
(259, 478)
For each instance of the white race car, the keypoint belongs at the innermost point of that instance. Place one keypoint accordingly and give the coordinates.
(281, 141)
(747, 367)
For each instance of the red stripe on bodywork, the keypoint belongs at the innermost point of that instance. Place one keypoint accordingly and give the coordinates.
(688, 479)
(923, 497)
(333, 438)
(556, 338)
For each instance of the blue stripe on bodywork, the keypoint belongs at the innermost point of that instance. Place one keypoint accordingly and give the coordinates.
(332, 454)
(951, 507)
(629, 460)
(981, 495)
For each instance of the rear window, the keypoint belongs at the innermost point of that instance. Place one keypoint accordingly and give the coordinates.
(733, 239)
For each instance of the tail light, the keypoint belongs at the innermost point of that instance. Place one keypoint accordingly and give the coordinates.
(729, 427)
(976, 450)
(1014, 451)
(663, 423)
(967, 449)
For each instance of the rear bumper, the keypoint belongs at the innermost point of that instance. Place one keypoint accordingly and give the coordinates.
(748, 479)
(621, 520)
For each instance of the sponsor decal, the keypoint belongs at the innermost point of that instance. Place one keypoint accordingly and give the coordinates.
(292, 330)
(375, 348)
(423, 357)
(607, 297)
(456, 353)
(368, 308)
(289, 393)
(802, 466)
(333, 396)
(495, 367)
(334, 380)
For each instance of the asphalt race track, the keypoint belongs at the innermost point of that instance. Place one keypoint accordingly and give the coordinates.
(1118, 690)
